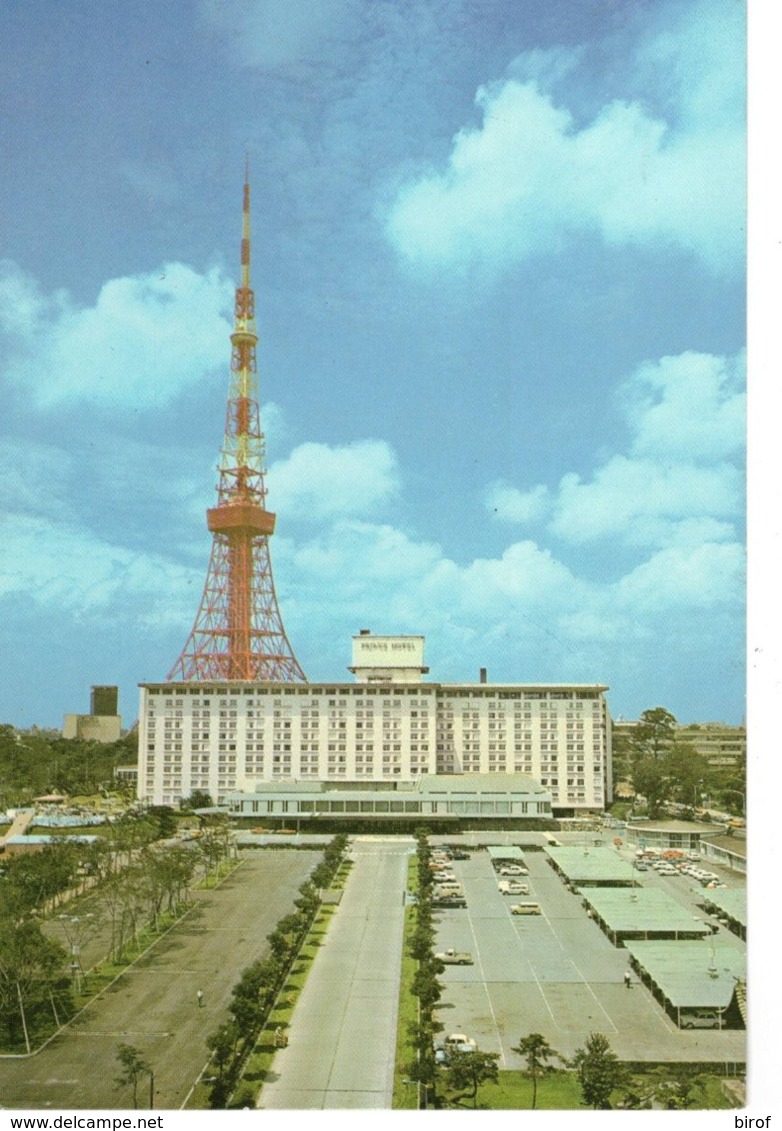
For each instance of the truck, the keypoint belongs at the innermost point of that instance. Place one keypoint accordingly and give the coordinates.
(453, 957)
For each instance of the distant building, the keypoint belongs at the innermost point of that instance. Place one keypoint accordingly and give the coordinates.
(389, 726)
(718, 743)
(103, 724)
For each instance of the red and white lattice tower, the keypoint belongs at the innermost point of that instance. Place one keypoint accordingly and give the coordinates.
(238, 632)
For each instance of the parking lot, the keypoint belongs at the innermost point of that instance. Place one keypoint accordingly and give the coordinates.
(556, 973)
(152, 1005)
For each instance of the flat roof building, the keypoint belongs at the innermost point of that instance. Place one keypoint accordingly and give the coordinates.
(490, 797)
(389, 726)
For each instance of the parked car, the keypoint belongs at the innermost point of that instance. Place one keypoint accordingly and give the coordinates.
(461, 1042)
(453, 957)
(525, 909)
(513, 887)
(449, 901)
(701, 1019)
(513, 870)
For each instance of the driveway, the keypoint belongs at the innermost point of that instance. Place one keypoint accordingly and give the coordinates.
(342, 1037)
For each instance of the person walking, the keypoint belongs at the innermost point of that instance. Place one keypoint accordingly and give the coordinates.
(200, 998)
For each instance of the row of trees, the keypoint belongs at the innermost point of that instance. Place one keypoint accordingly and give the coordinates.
(426, 986)
(134, 880)
(601, 1075)
(260, 983)
(663, 767)
(464, 1072)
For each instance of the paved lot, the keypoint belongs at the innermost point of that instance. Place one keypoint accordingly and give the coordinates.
(153, 1005)
(556, 974)
(341, 1041)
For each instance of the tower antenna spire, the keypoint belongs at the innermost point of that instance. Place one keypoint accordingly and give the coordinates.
(238, 632)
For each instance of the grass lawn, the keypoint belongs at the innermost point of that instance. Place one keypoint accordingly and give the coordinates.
(560, 1091)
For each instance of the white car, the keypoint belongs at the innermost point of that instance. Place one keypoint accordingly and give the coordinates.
(513, 870)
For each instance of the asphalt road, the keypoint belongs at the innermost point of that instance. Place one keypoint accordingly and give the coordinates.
(556, 974)
(340, 1052)
(153, 1005)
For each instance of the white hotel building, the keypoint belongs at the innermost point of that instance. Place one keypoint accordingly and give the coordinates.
(385, 729)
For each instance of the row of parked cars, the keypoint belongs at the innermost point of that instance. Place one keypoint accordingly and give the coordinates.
(448, 892)
(684, 865)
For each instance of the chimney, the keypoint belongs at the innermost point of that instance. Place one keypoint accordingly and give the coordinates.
(483, 675)
(364, 632)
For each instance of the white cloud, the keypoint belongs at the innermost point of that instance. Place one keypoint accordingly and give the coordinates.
(681, 477)
(690, 407)
(146, 339)
(62, 565)
(508, 504)
(640, 501)
(317, 481)
(675, 579)
(528, 179)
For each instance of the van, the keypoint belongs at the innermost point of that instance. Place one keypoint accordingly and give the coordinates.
(525, 909)
(448, 889)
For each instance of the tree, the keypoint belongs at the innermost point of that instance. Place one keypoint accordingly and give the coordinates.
(223, 1043)
(198, 799)
(685, 769)
(651, 780)
(654, 735)
(133, 1068)
(670, 1088)
(536, 1050)
(599, 1071)
(466, 1072)
(31, 966)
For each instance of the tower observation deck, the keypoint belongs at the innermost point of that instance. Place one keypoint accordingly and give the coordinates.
(238, 633)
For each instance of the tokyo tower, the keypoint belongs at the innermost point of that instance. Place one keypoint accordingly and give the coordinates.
(238, 632)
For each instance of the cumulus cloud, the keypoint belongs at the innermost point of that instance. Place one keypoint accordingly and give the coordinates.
(62, 565)
(529, 177)
(681, 477)
(690, 407)
(319, 482)
(508, 504)
(146, 339)
(677, 578)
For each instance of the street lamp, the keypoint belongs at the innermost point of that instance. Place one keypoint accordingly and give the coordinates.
(76, 930)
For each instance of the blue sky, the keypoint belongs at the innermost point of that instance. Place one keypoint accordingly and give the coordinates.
(498, 256)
